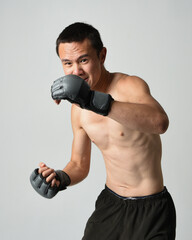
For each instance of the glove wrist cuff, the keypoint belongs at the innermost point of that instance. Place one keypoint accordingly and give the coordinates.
(101, 103)
(64, 179)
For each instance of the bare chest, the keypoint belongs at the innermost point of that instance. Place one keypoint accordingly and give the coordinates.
(118, 142)
(105, 132)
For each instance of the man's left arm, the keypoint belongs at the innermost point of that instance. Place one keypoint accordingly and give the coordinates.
(140, 111)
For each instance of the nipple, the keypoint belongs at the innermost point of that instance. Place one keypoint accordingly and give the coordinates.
(122, 134)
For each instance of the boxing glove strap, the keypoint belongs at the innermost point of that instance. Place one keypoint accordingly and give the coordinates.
(64, 179)
(101, 103)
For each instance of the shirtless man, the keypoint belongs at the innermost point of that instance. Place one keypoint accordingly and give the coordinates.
(135, 204)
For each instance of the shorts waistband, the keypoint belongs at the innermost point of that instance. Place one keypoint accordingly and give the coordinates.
(148, 197)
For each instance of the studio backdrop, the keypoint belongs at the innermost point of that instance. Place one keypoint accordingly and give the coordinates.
(147, 38)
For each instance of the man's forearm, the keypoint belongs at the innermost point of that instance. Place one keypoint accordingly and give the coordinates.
(140, 117)
(76, 172)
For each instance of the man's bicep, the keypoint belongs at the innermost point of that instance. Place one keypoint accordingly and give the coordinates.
(81, 146)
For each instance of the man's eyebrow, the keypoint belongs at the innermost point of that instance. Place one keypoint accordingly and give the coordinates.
(82, 56)
(65, 60)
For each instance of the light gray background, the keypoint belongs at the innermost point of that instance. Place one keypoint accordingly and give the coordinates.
(148, 38)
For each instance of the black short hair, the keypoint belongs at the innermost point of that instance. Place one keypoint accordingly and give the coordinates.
(78, 32)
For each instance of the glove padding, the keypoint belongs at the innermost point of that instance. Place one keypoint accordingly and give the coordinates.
(76, 90)
(44, 188)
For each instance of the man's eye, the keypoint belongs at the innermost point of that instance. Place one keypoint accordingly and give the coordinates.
(84, 60)
(67, 63)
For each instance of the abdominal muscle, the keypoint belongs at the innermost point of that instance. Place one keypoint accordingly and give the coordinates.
(134, 169)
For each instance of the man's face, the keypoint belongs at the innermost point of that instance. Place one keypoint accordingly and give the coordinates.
(81, 59)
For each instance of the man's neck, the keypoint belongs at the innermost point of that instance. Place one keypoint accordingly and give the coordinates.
(104, 81)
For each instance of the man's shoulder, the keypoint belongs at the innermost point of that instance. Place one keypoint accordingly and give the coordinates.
(123, 79)
(129, 85)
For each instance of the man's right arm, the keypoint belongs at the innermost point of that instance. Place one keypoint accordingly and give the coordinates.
(78, 167)
(47, 182)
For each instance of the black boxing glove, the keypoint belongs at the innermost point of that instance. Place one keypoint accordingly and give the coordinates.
(44, 188)
(76, 90)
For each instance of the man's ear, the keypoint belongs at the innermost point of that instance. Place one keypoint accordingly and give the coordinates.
(102, 55)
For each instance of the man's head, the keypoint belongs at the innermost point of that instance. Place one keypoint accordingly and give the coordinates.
(78, 32)
(81, 51)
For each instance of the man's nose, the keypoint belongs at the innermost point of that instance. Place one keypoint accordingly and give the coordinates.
(77, 70)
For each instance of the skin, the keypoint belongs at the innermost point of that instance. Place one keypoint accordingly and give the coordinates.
(128, 138)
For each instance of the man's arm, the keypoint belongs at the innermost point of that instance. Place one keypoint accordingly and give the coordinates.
(78, 167)
(47, 182)
(139, 110)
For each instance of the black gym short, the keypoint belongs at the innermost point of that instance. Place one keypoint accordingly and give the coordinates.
(117, 218)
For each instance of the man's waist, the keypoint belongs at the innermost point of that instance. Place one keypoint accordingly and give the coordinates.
(137, 197)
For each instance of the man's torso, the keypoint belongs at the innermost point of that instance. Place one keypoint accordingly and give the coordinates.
(132, 158)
